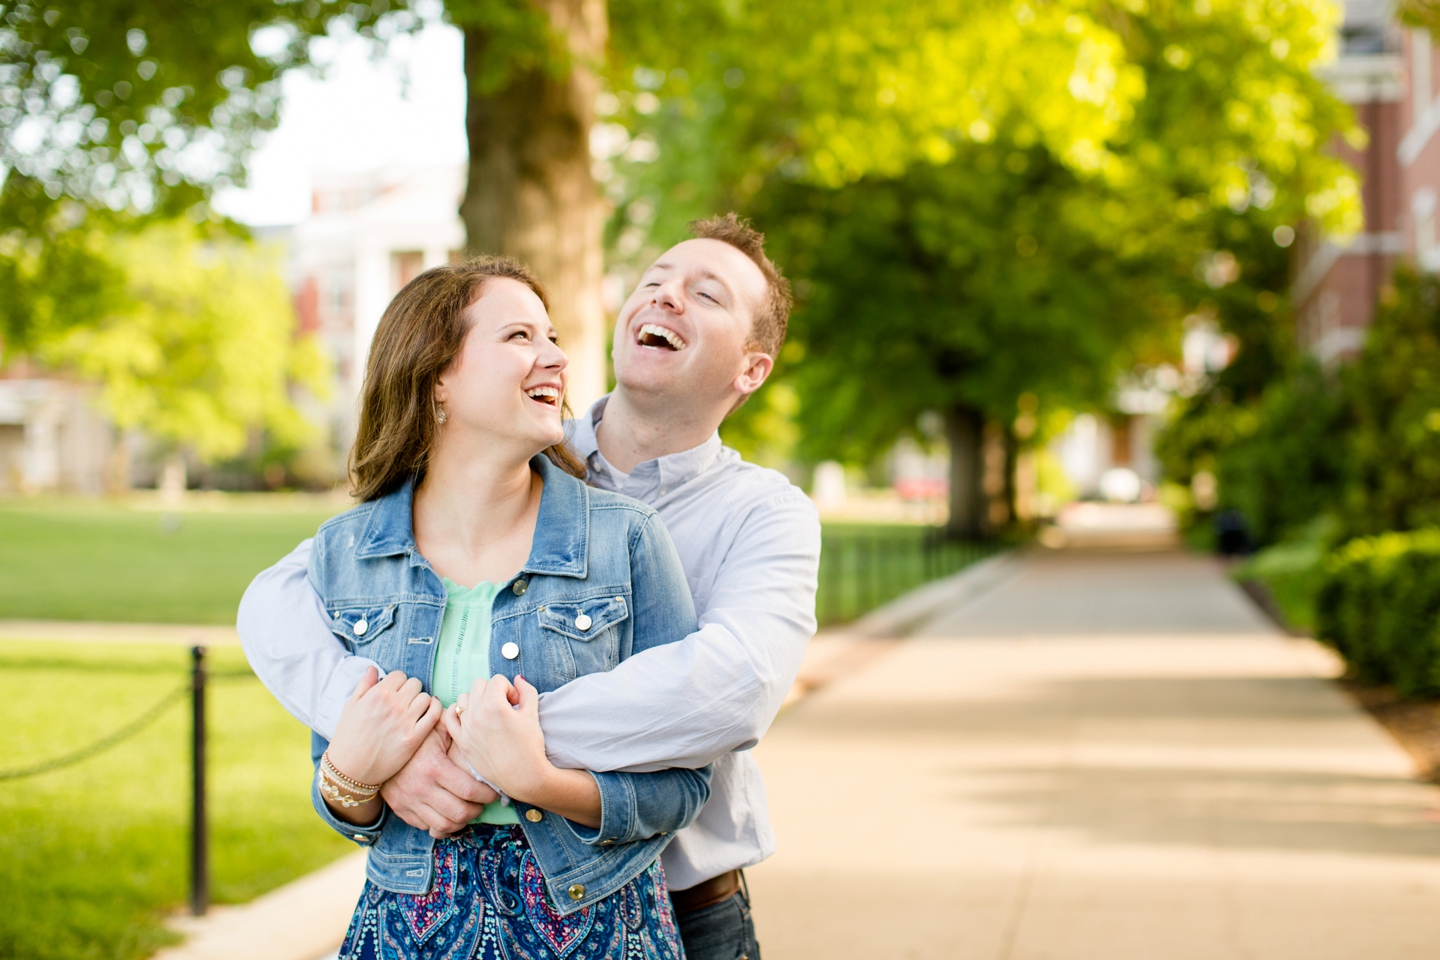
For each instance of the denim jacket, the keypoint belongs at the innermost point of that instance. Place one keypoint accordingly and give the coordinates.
(602, 582)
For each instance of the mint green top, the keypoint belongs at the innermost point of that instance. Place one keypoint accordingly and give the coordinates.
(463, 655)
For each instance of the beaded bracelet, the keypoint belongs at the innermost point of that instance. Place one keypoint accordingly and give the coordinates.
(341, 789)
(332, 791)
(355, 786)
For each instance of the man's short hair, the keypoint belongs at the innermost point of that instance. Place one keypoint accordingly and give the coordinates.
(768, 330)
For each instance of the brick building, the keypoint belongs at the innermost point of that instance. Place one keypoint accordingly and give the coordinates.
(1388, 75)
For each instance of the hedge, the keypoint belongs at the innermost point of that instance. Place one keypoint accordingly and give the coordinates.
(1379, 606)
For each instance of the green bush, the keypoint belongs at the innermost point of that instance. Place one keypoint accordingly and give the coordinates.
(1379, 605)
(1394, 388)
(1293, 570)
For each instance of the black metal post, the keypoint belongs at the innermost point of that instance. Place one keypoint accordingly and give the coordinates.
(199, 834)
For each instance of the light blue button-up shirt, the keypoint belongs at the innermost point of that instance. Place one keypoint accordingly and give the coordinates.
(749, 542)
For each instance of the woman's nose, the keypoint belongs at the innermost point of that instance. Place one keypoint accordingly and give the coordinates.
(554, 358)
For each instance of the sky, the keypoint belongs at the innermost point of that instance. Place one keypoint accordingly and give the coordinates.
(357, 117)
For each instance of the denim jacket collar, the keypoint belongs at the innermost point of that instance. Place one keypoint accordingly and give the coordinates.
(561, 530)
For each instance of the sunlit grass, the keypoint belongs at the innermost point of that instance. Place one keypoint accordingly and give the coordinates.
(93, 858)
(81, 560)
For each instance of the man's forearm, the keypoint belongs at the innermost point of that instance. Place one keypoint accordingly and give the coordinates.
(687, 703)
(286, 635)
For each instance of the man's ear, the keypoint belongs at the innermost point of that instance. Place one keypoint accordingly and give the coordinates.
(757, 368)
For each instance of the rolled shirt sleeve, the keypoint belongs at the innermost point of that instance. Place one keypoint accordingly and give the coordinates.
(719, 689)
(286, 635)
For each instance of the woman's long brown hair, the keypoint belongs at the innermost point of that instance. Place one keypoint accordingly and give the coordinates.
(419, 336)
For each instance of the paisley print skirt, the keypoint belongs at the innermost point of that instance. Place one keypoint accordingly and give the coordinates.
(488, 902)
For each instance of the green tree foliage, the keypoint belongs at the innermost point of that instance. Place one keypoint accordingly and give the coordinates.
(983, 203)
(115, 112)
(955, 286)
(199, 347)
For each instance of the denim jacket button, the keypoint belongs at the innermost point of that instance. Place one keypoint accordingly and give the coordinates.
(519, 587)
(576, 891)
(582, 623)
(510, 651)
(533, 815)
(360, 627)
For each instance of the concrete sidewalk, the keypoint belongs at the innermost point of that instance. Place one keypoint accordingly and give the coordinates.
(1108, 756)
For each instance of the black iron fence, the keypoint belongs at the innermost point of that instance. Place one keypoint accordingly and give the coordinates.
(194, 686)
(863, 566)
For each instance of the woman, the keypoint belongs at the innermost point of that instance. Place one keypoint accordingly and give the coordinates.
(476, 557)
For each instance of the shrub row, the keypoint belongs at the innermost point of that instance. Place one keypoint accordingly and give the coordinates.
(1379, 606)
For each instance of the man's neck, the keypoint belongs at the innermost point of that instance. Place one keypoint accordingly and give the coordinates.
(632, 433)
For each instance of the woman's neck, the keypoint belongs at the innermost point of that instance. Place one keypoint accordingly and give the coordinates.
(474, 516)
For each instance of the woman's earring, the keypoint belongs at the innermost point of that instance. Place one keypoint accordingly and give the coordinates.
(440, 414)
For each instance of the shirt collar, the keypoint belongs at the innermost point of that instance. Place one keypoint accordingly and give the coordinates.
(669, 471)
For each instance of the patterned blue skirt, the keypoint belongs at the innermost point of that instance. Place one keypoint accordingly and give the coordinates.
(488, 902)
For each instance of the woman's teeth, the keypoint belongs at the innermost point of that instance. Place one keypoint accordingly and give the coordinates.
(544, 394)
(654, 335)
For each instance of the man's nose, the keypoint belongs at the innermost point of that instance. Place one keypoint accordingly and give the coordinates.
(668, 295)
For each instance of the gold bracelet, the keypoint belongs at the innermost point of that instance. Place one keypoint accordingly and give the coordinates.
(355, 786)
(339, 793)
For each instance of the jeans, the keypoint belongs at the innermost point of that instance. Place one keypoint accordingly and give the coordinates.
(721, 931)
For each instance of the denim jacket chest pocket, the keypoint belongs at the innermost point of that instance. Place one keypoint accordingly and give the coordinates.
(363, 627)
(589, 635)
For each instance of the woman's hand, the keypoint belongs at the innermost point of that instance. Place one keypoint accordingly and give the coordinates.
(498, 734)
(383, 724)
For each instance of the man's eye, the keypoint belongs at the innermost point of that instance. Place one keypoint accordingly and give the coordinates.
(708, 297)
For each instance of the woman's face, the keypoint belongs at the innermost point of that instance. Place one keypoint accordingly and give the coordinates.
(506, 383)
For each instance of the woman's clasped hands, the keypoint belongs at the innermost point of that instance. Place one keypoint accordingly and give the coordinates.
(383, 724)
(495, 729)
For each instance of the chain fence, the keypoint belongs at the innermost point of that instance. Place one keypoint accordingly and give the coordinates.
(118, 736)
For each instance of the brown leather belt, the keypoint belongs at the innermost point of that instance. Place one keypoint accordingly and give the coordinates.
(706, 894)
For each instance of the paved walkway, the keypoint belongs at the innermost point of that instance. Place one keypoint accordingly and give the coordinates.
(1107, 756)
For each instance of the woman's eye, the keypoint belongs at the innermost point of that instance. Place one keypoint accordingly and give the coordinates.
(521, 334)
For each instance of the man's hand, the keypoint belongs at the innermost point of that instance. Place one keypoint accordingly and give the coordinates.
(431, 793)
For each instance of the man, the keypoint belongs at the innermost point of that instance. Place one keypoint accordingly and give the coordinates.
(697, 337)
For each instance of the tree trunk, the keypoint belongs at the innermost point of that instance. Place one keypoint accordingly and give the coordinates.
(965, 431)
(530, 193)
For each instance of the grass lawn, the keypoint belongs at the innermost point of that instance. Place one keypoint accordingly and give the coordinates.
(85, 560)
(93, 857)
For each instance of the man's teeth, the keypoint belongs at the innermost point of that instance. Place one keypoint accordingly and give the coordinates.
(649, 330)
(547, 394)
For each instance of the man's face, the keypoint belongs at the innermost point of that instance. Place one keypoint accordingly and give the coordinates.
(684, 332)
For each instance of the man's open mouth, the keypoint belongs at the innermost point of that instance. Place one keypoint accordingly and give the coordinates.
(654, 335)
(548, 395)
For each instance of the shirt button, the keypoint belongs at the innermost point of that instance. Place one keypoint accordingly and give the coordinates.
(582, 622)
(576, 891)
(510, 651)
(360, 838)
(519, 587)
(533, 815)
(360, 627)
